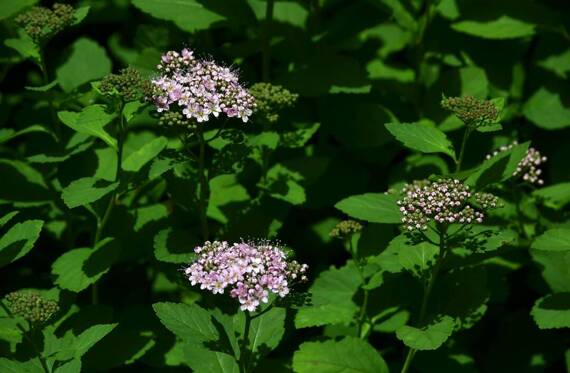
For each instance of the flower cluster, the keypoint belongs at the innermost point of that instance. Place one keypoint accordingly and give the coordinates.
(529, 167)
(199, 88)
(445, 201)
(473, 112)
(250, 271)
(43, 23)
(271, 100)
(128, 84)
(31, 306)
(345, 228)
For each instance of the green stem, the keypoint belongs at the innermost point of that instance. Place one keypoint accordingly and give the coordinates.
(427, 292)
(113, 200)
(266, 34)
(244, 353)
(204, 190)
(462, 149)
(28, 338)
(364, 305)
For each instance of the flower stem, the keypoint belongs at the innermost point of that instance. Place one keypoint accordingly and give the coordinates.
(427, 292)
(462, 149)
(266, 35)
(244, 354)
(364, 305)
(113, 200)
(204, 190)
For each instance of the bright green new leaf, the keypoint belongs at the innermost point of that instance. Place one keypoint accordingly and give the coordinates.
(503, 27)
(192, 323)
(552, 311)
(90, 121)
(350, 355)
(19, 240)
(88, 61)
(372, 207)
(86, 190)
(430, 337)
(422, 137)
(137, 159)
(545, 109)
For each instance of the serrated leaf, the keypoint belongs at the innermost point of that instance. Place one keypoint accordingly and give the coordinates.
(192, 323)
(84, 341)
(430, 337)
(265, 331)
(554, 196)
(503, 27)
(202, 360)
(19, 240)
(418, 259)
(545, 109)
(137, 159)
(331, 298)
(372, 207)
(88, 61)
(552, 311)
(86, 190)
(174, 246)
(90, 121)
(552, 251)
(350, 355)
(24, 45)
(422, 137)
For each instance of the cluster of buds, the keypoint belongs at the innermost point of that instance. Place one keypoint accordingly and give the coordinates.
(250, 271)
(128, 84)
(43, 23)
(199, 88)
(445, 201)
(345, 228)
(31, 306)
(271, 100)
(175, 119)
(529, 167)
(471, 111)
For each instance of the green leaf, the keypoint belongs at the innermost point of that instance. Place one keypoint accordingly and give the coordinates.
(27, 185)
(545, 109)
(350, 355)
(192, 323)
(430, 337)
(552, 311)
(25, 46)
(558, 64)
(19, 240)
(86, 190)
(90, 121)
(202, 360)
(283, 184)
(552, 251)
(498, 168)
(189, 15)
(557, 239)
(419, 259)
(7, 134)
(225, 190)
(400, 13)
(503, 27)
(265, 331)
(88, 61)
(422, 137)
(6, 218)
(331, 300)
(14, 366)
(84, 341)
(137, 159)
(78, 268)
(554, 196)
(73, 366)
(80, 14)
(372, 207)
(174, 246)
(8, 8)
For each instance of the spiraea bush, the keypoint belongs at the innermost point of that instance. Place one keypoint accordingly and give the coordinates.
(317, 186)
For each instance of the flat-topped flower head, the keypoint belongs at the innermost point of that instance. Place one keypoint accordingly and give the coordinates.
(345, 229)
(248, 271)
(31, 306)
(271, 100)
(43, 23)
(529, 167)
(445, 201)
(471, 111)
(199, 89)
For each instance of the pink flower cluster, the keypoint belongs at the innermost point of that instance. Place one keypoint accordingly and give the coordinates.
(250, 271)
(445, 201)
(529, 167)
(199, 88)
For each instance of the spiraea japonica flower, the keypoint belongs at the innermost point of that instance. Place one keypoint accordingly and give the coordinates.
(445, 201)
(345, 228)
(200, 89)
(529, 167)
(129, 85)
(271, 100)
(471, 111)
(43, 23)
(31, 306)
(248, 271)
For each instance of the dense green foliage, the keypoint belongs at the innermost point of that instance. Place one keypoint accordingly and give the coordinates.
(364, 107)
